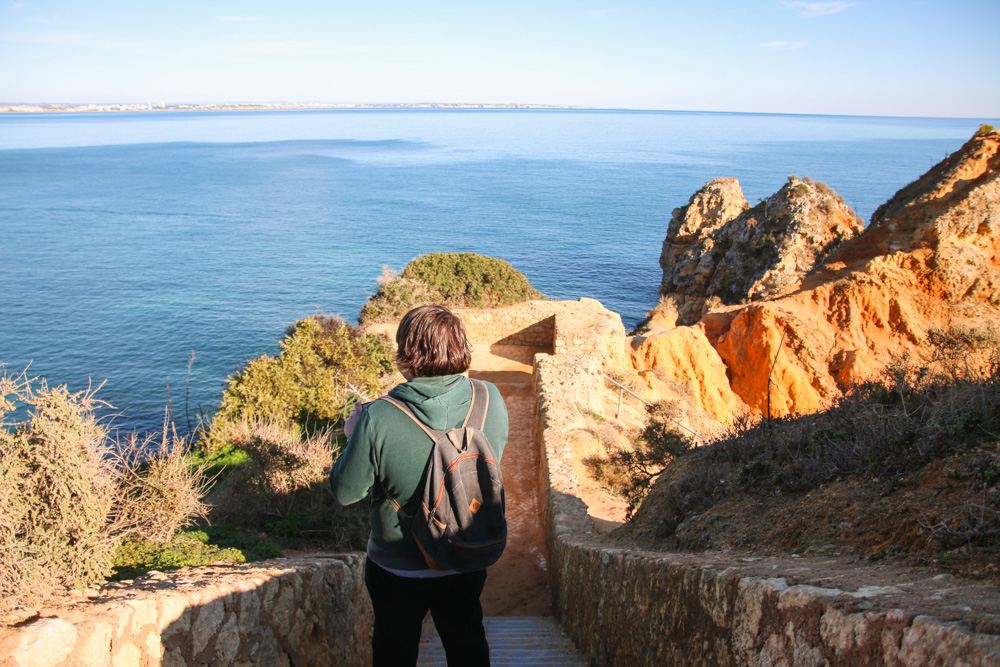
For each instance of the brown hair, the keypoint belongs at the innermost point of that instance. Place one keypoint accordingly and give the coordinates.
(431, 341)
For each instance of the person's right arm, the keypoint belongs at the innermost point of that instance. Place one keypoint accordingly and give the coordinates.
(353, 472)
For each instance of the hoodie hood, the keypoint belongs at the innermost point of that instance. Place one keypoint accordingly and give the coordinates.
(440, 402)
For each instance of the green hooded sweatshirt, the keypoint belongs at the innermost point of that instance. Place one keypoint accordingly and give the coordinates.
(387, 447)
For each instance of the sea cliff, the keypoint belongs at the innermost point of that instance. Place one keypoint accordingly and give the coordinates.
(784, 306)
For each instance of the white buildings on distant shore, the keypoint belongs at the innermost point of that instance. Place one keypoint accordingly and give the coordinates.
(161, 106)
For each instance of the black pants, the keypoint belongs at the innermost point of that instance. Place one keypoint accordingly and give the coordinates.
(401, 603)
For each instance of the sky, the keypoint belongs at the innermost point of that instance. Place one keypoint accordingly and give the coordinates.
(864, 57)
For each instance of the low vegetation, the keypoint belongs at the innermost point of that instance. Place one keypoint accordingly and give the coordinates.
(449, 278)
(70, 496)
(635, 461)
(78, 507)
(323, 366)
(881, 433)
(182, 549)
(281, 488)
(270, 446)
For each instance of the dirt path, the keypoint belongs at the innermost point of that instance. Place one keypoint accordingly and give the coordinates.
(518, 585)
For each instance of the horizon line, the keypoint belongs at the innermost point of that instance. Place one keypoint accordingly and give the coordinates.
(117, 107)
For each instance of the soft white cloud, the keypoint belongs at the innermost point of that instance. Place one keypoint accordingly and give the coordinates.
(244, 19)
(598, 13)
(784, 46)
(18, 5)
(814, 9)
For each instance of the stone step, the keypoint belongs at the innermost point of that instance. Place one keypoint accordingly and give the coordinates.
(514, 640)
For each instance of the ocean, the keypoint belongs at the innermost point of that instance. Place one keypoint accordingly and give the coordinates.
(133, 240)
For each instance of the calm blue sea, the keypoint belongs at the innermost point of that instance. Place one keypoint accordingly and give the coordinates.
(130, 240)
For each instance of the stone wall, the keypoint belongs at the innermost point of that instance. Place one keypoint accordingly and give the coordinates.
(623, 605)
(510, 326)
(301, 611)
(561, 327)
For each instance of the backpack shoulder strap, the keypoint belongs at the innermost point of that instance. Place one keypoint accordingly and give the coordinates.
(432, 433)
(480, 405)
(476, 417)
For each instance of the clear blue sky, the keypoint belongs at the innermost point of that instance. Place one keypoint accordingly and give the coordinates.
(881, 57)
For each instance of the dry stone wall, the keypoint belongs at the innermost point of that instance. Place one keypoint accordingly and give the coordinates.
(301, 611)
(560, 327)
(563, 327)
(624, 605)
(510, 326)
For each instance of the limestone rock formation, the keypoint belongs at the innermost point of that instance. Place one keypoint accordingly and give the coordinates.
(930, 259)
(683, 356)
(719, 248)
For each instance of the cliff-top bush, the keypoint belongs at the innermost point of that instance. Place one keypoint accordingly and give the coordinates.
(323, 365)
(449, 278)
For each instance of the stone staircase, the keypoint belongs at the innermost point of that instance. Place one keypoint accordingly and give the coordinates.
(514, 640)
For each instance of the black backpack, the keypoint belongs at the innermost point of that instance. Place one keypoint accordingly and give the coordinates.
(461, 524)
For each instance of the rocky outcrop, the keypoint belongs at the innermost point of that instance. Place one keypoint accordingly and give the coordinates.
(719, 249)
(684, 356)
(944, 228)
(930, 259)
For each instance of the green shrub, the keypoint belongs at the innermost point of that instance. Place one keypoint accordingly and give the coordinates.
(323, 365)
(135, 557)
(469, 279)
(218, 463)
(449, 278)
(985, 129)
(252, 544)
(394, 297)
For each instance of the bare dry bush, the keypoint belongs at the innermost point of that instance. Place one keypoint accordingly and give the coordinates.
(69, 495)
(162, 493)
(977, 523)
(634, 460)
(284, 487)
(59, 491)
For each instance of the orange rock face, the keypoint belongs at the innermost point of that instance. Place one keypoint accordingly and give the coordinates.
(930, 259)
(684, 356)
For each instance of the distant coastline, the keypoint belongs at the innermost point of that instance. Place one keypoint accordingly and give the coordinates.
(83, 108)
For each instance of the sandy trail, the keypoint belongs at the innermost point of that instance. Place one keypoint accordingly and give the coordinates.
(518, 584)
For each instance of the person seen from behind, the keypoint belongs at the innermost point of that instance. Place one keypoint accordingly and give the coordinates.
(387, 453)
